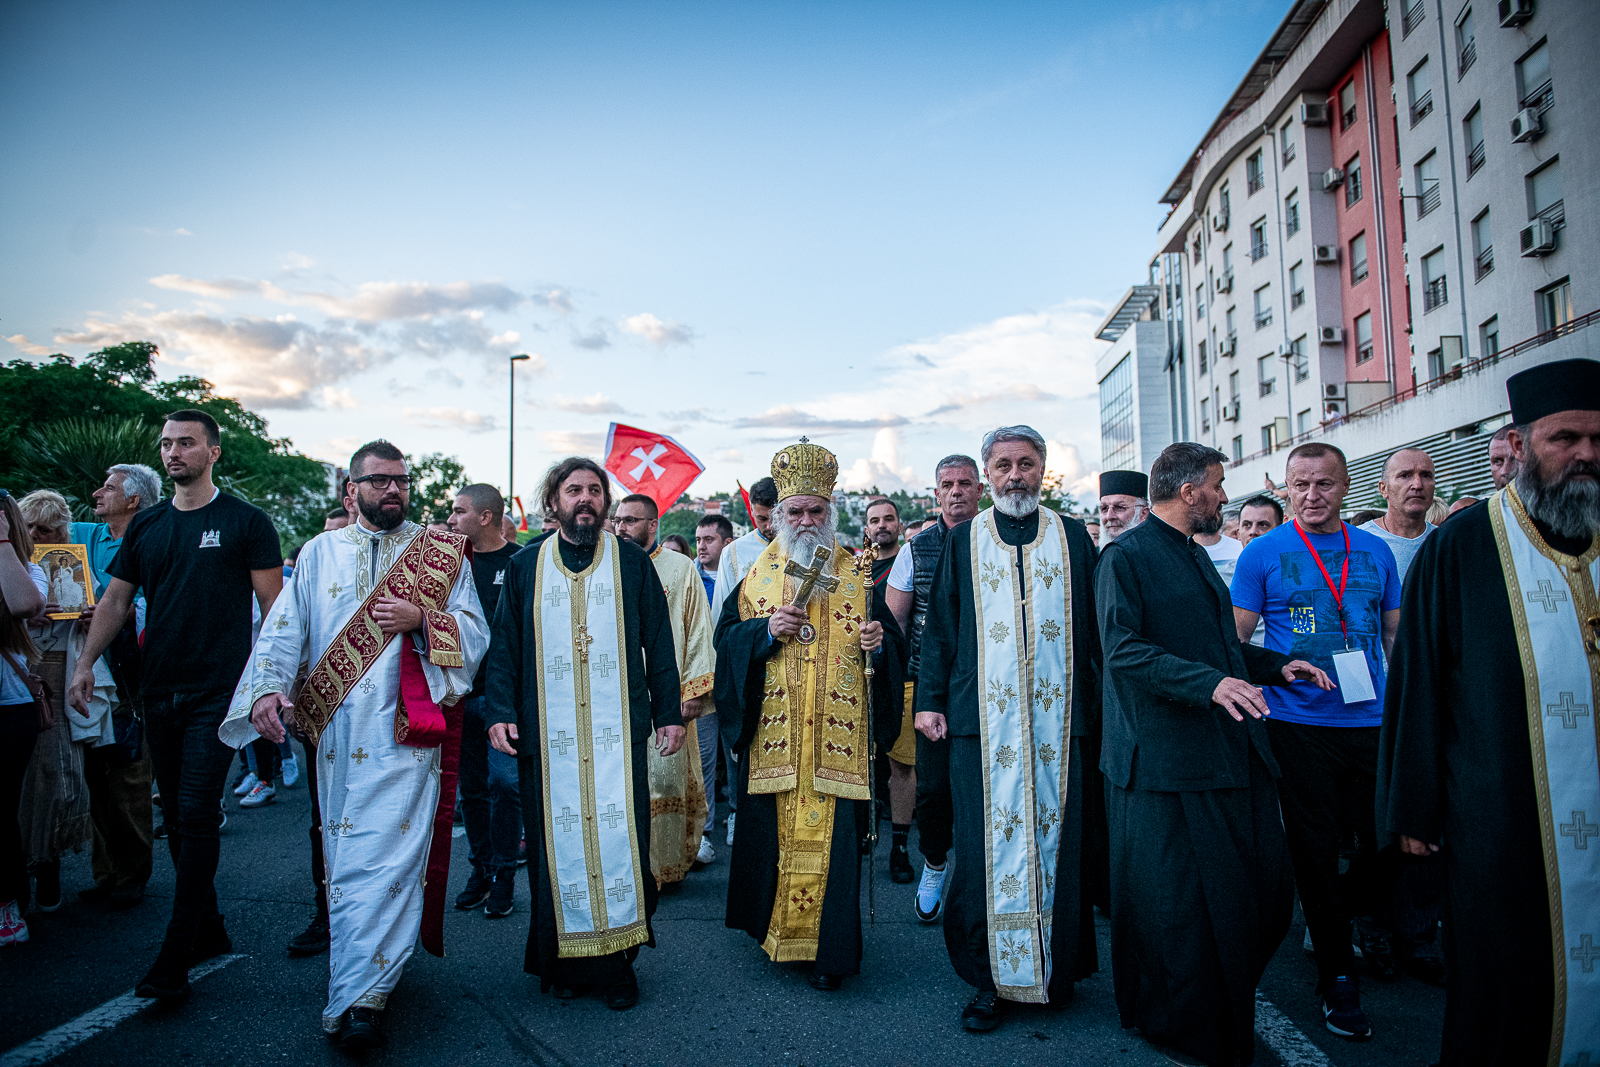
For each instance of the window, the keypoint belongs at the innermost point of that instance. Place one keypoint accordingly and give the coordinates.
(1489, 337)
(1291, 213)
(1347, 105)
(1228, 322)
(1195, 251)
(1116, 416)
(1419, 93)
(1412, 18)
(1205, 415)
(1352, 182)
(1533, 79)
(1472, 127)
(1303, 422)
(1227, 259)
(1258, 239)
(1254, 175)
(1297, 288)
(1435, 364)
(1363, 338)
(1224, 204)
(1233, 388)
(1544, 194)
(1266, 438)
(1263, 297)
(1200, 354)
(1358, 257)
(1200, 301)
(1427, 171)
(1266, 374)
(1287, 141)
(1238, 449)
(1482, 244)
(1299, 359)
(1466, 46)
(1555, 305)
(1155, 272)
(1435, 289)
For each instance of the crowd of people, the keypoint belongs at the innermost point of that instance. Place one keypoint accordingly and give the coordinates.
(1186, 714)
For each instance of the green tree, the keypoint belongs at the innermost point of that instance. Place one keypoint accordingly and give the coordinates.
(72, 455)
(435, 478)
(681, 523)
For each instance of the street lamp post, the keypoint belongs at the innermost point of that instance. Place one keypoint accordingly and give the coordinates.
(511, 471)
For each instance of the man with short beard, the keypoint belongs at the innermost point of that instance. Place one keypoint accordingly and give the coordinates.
(1009, 672)
(806, 676)
(1124, 503)
(581, 673)
(882, 532)
(1488, 752)
(1201, 888)
(1503, 464)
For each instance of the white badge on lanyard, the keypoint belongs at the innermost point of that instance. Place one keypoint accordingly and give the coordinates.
(1355, 679)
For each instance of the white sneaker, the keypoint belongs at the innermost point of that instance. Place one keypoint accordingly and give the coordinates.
(930, 893)
(706, 853)
(249, 783)
(730, 830)
(291, 771)
(263, 793)
(13, 930)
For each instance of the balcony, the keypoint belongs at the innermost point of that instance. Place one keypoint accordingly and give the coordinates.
(1540, 99)
(1263, 319)
(1429, 199)
(1555, 214)
(1412, 18)
(1257, 250)
(1288, 154)
(1474, 159)
(1435, 294)
(1422, 108)
(1255, 183)
(1267, 387)
(1469, 55)
(1297, 298)
(1485, 262)
(1364, 352)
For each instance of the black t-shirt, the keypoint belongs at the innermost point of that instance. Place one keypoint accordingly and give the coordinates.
(880, 572)
(489, 575)
(195, 569)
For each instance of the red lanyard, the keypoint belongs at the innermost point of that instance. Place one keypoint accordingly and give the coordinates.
(1344, 575)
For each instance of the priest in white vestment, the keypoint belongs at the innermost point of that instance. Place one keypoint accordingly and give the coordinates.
(373, 609)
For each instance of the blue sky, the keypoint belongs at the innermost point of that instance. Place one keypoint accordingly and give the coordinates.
(888, 226)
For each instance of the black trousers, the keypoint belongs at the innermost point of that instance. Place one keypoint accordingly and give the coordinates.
(119, 805)
(191, 772)
(935, 818)
(1327, 790)
(319, 870)
(19, 731)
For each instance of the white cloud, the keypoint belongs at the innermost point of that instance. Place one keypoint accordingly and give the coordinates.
(28, 347)
(598, 337)
(338, 398)
(450, 419)
(296, 261)
(728, 455)
(883, 468)
(658, 332)
(556, 299)
(789, 417)
(579, 442)
(372, 302)
(598, 404)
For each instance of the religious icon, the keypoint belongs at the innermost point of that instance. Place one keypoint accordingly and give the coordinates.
(66, 570)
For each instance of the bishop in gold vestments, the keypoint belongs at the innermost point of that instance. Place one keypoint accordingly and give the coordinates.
(794, 699)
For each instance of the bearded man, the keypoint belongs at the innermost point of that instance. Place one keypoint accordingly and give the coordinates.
(1010, 661)
(806, 693)
(581, 670)
(1487, 752)
(1124, 503)
(388, 617)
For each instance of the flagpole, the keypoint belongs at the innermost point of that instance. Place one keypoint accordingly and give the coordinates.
(511, 460)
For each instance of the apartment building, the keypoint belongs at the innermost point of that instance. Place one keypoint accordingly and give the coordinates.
(1329, 269)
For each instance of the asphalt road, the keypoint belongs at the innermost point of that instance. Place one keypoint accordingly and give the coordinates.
(709, 995)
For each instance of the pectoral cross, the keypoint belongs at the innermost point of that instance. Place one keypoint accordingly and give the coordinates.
(811, 577)
(582, 640)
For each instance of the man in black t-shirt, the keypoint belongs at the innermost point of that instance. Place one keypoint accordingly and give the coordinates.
(199, 557)
(898, 767)
(490, 798)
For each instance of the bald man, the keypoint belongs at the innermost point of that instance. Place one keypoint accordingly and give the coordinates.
(1407, 487)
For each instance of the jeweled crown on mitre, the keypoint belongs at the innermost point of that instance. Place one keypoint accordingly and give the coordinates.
(805, 469)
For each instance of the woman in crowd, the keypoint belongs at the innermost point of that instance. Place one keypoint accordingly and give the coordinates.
(22, 587)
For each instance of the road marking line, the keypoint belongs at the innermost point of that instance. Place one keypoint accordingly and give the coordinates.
(1282, 1036)
(68, 1036)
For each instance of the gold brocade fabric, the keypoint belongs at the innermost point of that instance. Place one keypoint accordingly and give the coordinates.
(812, 742)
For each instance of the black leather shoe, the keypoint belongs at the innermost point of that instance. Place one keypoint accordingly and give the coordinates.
(211, 941)
(168, 980)
(313, 940)
(623, 995)
(1428, 969)
(900, 865)
(828, 983)
(982, 1013)
(363, 1030)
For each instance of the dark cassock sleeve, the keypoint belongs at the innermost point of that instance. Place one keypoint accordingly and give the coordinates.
(1086, 655)
(1119, 600)
(502, 665)
(941, 631)
(743, 648)
(655, 639)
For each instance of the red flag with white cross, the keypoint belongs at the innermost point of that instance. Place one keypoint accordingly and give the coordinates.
(651, 464)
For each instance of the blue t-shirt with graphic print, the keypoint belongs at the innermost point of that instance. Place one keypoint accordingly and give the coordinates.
(1277, 578)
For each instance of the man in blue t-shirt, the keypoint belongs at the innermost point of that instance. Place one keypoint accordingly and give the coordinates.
(1325, 590)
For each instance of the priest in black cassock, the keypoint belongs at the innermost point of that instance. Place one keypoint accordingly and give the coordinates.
(1488, 748)
(581, 671)
(1201, 888)
(795, 701)
(1010, 673)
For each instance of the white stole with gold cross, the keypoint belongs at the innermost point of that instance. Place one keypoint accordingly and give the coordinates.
(1557, 618)
(1024, 664)
(590, 836)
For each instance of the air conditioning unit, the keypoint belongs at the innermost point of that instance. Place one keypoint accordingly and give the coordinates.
(1227, 346)
(1219, 222)
(1225, 282)
(1333, 391)
(1538, 238)
(1332, 178)
(1330, 335)
(1230, 412)
(1515, 12)
(1527, 126)
(1313, 114)
(1325, 254)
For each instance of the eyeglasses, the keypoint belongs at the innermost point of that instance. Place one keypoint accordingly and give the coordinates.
(381, 482)
(623, 520)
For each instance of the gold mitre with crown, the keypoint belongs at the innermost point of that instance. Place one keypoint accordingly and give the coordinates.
(805, 469)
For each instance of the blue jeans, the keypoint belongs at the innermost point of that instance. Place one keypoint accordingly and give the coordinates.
(191, 767)
(710, 737)
(491, 801)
